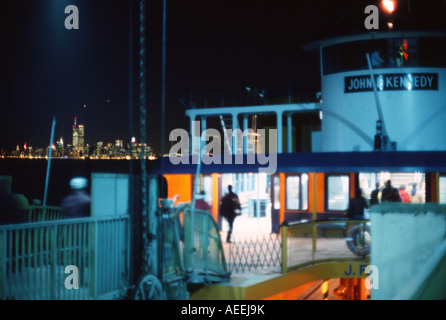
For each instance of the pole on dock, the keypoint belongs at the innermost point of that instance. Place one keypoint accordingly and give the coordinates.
(50, 152)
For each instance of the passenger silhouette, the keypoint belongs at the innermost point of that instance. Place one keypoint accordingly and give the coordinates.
(390, 194)
(77, 204)
(357, 206)
(230, 208)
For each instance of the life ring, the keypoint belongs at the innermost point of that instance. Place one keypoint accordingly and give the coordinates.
(359, 243)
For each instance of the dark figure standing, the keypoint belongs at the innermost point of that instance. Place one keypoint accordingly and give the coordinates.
(201, 203)
(230, 208)
(77, 204)
(357, 206)
(10, 209)
(374, 196)
(390, 194)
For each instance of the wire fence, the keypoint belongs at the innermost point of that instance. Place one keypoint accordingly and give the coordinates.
(296, 245)
(41, 213)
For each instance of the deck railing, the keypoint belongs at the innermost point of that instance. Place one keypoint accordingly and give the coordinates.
(85, 258)
(40, 213)
(322, 241)
(203, 251)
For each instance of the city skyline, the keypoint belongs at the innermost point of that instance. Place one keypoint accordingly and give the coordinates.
(78, 147)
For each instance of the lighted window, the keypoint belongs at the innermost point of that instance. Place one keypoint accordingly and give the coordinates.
(338, 195)
(403, 52)
(385, 53)
(442, 190)
(276, 193)
(353, 56)
(296, 187)
(207, 187)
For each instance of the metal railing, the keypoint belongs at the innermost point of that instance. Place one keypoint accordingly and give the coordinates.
(170, 237)
(85, 258)
(323, 241)
(203, 250)
(40, 213)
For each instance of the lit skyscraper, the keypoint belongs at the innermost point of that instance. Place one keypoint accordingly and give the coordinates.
(75, 135)
(78, 137)
(81, 140)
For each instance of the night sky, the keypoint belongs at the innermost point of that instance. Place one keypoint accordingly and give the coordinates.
(214, 49)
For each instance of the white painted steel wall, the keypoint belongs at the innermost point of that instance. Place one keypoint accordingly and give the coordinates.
(109, 194)
(404, 238)
(414, 119)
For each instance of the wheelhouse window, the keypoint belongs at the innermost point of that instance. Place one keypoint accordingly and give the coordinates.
(296, 187)
(385, 53)
(403, 52)
(338, 195)
(432, 52)
(352, 56)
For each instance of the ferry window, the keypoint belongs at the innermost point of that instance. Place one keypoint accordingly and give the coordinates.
(242, 182)
(304, 184)
(432, 51)
(351, 56)
(403, 52)
(379, 54)
(385, 53)
(342, 57)
(296, 196)
(442, 191)
(276, 193)
(207, 187)
(338, 195)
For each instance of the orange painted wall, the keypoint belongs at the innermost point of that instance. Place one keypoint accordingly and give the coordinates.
(282, 197)
(292, 294)
(215, 199)
(352, 185)
(179, 184)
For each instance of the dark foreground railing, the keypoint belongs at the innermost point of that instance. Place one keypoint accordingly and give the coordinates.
(84, 258)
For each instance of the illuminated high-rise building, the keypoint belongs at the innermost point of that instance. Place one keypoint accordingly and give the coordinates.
(81, 138)
(78, 137)
(75, 135)
(60, 146)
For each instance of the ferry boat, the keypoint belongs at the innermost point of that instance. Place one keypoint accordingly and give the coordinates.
(377, 120)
